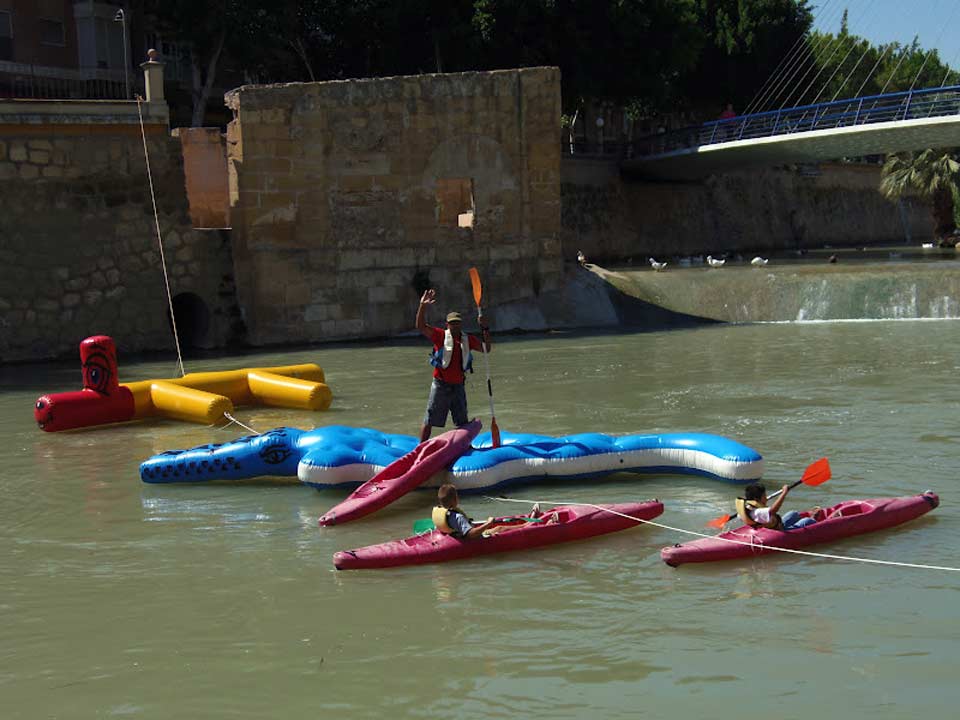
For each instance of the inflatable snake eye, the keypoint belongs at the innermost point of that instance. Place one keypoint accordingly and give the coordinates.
(41, 404)
(96, 373)
(275, 454)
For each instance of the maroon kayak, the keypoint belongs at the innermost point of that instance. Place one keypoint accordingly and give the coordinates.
(849, 518)
(404, 474)
(558, 525)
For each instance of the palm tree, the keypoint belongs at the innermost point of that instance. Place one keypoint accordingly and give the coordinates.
(933, 175)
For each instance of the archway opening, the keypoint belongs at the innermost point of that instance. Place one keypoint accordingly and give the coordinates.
(193, 319)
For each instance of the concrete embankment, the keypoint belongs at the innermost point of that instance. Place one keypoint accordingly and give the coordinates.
(895, 289)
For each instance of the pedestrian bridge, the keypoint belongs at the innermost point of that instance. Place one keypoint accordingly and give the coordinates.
(875, 125)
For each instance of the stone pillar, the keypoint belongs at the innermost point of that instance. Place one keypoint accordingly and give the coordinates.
(153, 77)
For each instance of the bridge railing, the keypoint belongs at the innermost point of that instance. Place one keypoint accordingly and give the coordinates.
(910, 105)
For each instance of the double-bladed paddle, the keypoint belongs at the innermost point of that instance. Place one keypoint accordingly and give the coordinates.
(477, 296)
(817, 473)
(426, 524)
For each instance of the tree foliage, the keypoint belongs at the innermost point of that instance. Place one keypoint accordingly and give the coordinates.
(931, 174)
(649, 55)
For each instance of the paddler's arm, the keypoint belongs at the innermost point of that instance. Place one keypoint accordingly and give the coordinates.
(778, 503)
(477, 531)
(428, 298)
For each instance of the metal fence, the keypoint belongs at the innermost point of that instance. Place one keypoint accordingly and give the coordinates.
(18, 80)
(911, 105)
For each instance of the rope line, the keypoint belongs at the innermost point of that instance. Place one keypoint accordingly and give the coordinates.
(233, 420)
(156, 218)
(730, 540)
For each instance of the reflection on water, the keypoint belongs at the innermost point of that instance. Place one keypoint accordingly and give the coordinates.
(114, 591)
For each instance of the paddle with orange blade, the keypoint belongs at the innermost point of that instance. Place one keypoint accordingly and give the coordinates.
(477, 296)
(817, 473)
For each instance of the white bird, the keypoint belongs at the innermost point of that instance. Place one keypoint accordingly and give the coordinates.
(581, 258)
(714, 263)
(759, 261)
(658, 266)
(927, 246)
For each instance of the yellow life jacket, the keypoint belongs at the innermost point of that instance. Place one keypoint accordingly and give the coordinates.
(439, 517)
(743, 505)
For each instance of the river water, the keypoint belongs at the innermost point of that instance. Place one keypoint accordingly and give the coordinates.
(121, 599)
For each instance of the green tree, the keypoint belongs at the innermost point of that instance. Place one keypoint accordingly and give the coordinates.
(932, 175)
(212, 29)
(741, 43)
(619, 50)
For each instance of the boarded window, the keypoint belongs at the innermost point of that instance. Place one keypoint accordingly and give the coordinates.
(6, 36)
(51, 32)
(455, 202)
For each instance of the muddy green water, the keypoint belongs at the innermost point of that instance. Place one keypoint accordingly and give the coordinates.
(121, 599)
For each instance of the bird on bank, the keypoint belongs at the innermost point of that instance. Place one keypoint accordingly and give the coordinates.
(581, 258)
(714, 263)
(658, 266)
(832, 259)
(759, 261)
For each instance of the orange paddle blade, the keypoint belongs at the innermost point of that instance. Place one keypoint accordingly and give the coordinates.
(817, 472)
(477, 287)
(495, 432)
(720, 521)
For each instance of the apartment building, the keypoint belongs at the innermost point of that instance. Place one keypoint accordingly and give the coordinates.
(64, 48)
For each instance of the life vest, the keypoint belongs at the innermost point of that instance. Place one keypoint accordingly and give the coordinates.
(442, 355)
(439, 517)
(743, 505)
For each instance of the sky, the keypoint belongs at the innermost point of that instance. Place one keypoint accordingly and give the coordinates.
(935, 22)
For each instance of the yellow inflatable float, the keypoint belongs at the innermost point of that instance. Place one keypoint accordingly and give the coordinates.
(204, 397)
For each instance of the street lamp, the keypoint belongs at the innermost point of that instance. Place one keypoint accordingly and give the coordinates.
(121, 18)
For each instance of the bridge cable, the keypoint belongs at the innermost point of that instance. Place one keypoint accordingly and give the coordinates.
(950, 68)
(813, 50)
(810, 48)
(823, 64)
(817, 63)
(903, 56)
(868, 46)
(777, 70)
(903, 7)
(935, 43)
(793, 64)
(816, 59)
(853, 44)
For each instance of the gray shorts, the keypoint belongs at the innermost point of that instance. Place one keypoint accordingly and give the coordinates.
(446, 398)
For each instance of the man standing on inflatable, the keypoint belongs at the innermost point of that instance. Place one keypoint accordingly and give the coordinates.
(451, 358)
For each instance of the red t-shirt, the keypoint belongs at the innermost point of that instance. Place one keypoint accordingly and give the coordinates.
(453, 374)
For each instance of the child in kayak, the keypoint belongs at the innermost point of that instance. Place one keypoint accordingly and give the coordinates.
(451, 520)
(752, 509)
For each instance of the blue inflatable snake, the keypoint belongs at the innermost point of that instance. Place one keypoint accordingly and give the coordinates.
(339, 456)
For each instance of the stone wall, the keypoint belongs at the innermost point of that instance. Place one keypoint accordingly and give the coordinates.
(78, 239)
(767, 210)
(347, 198)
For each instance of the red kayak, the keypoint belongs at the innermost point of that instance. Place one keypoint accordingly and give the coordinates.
(403, 475)
(561, 524)
(849, 518)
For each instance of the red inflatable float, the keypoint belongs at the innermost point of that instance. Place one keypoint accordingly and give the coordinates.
(102, 400)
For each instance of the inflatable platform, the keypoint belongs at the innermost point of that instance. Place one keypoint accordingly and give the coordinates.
(203, 397)
(346, 457)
